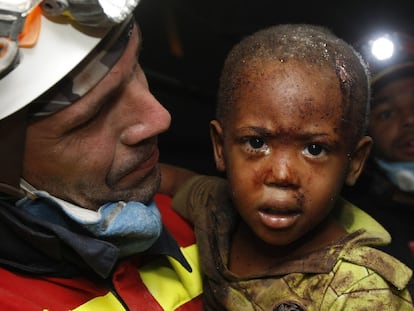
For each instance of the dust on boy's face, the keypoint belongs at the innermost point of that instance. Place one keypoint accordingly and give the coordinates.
(284, 151)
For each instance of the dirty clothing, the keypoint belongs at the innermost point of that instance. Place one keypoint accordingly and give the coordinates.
(53, 267)
(392, 208)
(348, 275)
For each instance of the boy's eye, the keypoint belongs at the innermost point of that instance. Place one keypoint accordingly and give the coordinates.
(254, 145)
(314, 150)
(256, 142)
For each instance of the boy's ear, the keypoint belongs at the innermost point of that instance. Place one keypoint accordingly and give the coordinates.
(216, 135)
(358, 159)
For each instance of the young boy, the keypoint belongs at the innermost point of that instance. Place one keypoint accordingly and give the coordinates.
(275, 235)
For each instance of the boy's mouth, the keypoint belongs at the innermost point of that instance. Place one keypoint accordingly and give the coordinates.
(278, 219)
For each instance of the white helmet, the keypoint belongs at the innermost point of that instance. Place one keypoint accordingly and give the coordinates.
(42, 43)
(60, 45)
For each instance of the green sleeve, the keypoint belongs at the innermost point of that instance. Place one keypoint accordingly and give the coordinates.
(195, 194)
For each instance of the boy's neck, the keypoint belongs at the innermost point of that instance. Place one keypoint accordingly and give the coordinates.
(249, 255)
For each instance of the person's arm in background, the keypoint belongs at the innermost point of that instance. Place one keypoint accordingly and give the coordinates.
(173, 177)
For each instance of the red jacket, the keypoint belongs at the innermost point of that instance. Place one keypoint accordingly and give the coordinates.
(155, 283)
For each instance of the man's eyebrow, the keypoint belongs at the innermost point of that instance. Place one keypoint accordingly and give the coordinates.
(375, 101)
(112, 91)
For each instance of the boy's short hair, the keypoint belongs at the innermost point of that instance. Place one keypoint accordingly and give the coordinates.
(310, 44)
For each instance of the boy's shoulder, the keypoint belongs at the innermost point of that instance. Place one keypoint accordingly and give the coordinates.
(354, 219)
(359, 259)
(365, 264)
(368, 279)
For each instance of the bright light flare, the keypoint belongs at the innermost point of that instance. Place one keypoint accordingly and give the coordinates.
(382, 48)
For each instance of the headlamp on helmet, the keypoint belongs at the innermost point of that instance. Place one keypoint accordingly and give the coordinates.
(13, 15)
(388, 53)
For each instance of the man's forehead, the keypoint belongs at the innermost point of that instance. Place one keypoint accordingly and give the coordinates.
(86, 75)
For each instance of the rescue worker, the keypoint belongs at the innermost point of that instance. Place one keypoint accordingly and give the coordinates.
(386, 187)
(80, 221)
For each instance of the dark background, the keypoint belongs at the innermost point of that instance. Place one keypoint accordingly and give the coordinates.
(185, 43)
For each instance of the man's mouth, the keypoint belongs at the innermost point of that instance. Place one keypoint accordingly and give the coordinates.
(141, 169)
(406, 146)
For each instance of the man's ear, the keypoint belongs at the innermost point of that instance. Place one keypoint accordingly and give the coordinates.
(216, 135)
(358, 159)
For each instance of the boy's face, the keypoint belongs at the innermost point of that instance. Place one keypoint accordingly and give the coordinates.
(284, 151)
(392, 121)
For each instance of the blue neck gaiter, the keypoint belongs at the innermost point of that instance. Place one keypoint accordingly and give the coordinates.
(133, 226)
(401, 174)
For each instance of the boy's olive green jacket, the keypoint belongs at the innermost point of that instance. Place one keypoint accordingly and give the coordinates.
(348, 275)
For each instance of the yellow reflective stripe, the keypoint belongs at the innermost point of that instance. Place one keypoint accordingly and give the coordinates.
(192, 282)
(173, 287)
(107, 302)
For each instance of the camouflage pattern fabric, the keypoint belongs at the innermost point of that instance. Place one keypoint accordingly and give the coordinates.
(85, 76)
(348, 275)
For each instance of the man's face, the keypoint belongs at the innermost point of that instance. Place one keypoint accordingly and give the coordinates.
(392, 121)
(284, 150)
(103, 147)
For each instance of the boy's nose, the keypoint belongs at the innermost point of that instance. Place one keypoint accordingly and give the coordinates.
(281, 173)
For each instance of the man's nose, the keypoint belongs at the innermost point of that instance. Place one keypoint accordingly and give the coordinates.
(408, 116)
(149, 119)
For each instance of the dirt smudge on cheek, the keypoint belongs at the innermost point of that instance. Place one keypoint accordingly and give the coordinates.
(300, 197)
(259, 177)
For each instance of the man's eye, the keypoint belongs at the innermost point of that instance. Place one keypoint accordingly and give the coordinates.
(385, 115)
(314, 150)
(256, 142)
